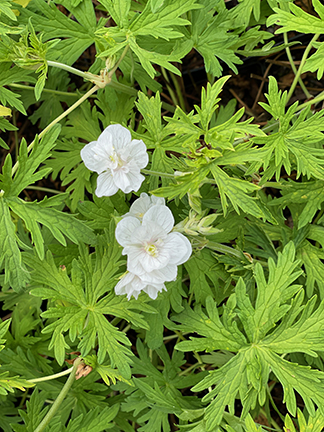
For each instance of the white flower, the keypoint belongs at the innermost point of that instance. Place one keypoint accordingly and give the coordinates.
(117, 159)
(142, 204)
(153, 253)
(132, 285)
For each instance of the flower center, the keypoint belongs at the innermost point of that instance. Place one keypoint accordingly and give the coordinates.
(151, 249)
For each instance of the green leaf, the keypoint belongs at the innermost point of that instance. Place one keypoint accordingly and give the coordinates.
(4, 326)
(243, 11)
(8, 384)
(315, 423)
(305, 335)
(309, 194)
(76, 35)
(16, 273)
(271, 296)
(293, 377)
(118, 10)
(235, 189)
(298, 20)
(35, 412)
(5, 8)
(291, 144)
(96, 420)
(316, 61)
(312, 257)
(162, 23)
(83, 303)
(211, 37)
(9, 75)
(216, 334)
(28, 164)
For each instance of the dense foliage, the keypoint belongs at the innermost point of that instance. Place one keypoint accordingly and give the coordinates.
(243, 321)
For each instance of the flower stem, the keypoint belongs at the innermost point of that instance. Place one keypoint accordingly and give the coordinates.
(43, 189)
(67, 68)
(218, 247)
(314, 101)
(293, 67)
(157, 173)
(50, 377)
(54, 408)
(302, 63)
(113, 70)
(59, 118)
(45, 90)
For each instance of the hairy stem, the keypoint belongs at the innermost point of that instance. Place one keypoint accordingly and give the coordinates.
(54, 408)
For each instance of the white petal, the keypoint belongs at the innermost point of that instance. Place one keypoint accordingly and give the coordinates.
(153, 290)
(90, 158)
(105, 185)
(179, 248)
(130, 285)
(166, 274)
(125, 230)
(140, 206)
(121, 179)
(138, 153)
(157, 200)
(118, 135)
(160, 215)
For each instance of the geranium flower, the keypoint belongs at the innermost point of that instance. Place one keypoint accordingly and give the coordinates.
(142, 204)
(117, 159)
(153, 253)
(132, 285)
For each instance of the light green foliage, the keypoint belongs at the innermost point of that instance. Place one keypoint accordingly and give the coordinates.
(293, 146)
(298, 19)
(78, 309)
(248, 372)
(243, 320)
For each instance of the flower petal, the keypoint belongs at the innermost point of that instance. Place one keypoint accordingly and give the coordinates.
(153, 290)
(118, 135)
(125, 230)
(138, 153)
(105, 185)
(179, 248)
(90, 159)
(160, 215)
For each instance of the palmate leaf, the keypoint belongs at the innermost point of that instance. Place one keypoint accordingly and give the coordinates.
(316, 61)
(314, 423)
(16, 273)
(96, 420)
(295, 144)
(34, 414)
(28, 164)
(78, 310)
(247, 373)
(5, 8)
(10, 75)
(76, 36)
(298, 20)
(60, 224)
(312, 258)
(8, 383)
(210, 36)
(3, 330)
(310, 194)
